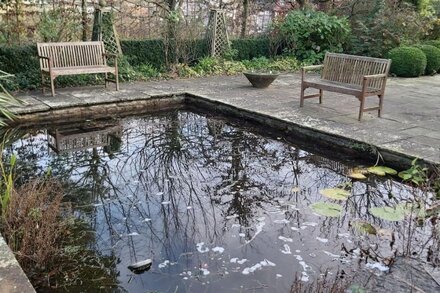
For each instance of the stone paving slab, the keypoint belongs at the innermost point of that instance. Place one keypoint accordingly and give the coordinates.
(410, 122)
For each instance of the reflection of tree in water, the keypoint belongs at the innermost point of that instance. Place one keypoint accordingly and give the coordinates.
(170, 162)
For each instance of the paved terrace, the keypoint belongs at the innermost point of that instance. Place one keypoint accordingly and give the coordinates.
(410, 123)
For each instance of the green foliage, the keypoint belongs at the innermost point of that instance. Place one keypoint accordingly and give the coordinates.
(416, 174)
(309, 34)
(407, 61)
(148, 71)
(250, 48)
(59, 24)
(435, 43)
(432, 57)
(381, 25)
(6, 182)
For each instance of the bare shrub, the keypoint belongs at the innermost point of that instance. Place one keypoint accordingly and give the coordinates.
(35, 225)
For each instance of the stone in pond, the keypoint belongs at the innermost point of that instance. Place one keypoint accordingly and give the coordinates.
(141, 266)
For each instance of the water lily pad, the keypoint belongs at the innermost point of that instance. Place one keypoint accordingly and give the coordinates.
(382, 170)
(388, 213)
(364, 227)
(326, 209)
(335, 193)
(357, 176)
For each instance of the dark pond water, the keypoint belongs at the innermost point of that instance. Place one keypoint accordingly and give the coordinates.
(217, 206)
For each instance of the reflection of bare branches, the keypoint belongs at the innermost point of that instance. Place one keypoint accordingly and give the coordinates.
(181, 178)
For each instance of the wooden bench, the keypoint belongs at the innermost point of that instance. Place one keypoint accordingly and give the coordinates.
(58, 59)
(348, 74)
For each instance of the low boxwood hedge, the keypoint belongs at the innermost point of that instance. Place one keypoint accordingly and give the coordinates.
(407, 61)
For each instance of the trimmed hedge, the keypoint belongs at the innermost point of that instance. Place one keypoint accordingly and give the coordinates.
(435, 43)
(154, 51)
(247, 49)
(407, 61)
(432, 57)
(144, 55)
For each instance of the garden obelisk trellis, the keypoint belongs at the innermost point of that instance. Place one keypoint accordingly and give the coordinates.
(104, 30)
(217, 35)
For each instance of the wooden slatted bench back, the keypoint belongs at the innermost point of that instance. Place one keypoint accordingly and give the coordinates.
(72, 54)
(350, 70)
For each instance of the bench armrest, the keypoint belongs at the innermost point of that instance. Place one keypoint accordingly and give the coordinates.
(111, 55)
(312, 67)
(374, 76)
(49, 62)
(44, 57)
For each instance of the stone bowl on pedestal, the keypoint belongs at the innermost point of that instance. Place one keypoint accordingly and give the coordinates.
(261, 79)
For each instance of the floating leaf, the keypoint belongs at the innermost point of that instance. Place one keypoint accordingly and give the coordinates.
(381, 170)
(388, 213)
(326, 209)
(358, 176)
(385, 234)
(335, 193)
(296, 189)
(364, 227)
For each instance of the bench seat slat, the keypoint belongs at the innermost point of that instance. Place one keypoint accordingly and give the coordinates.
(81, 70)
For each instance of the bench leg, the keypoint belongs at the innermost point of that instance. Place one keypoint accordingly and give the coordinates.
(379, 112)
(52, 86)
(301, 101)
(361, 107)
(105, 79)
(117, 79)
(320, 96)
(42, 83)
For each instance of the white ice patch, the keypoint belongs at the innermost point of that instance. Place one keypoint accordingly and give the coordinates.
(241, 234)
(346, 235)
(200, 247)
(331, 254)
(377, 265)
(304, 277)
(259, 229)
(297, 251)
(305, 266)
(312, 224)
(146, 220)
(286, 249)
(261, 219)
(218, 249)
(241, 261)
(133, 234)
(323, 240)
(231, 217)
(283, 221)
(235, 226)
(159, 193)
(285, 239)
(237, 260)
(189, 207)
(166, 202)
(294, 228)
(258, 266)
(279, 275)
(205, 272)
(164, 264)
(267, 263)
(298, 257)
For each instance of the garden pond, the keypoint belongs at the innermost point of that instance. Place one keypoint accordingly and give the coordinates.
(219, 205)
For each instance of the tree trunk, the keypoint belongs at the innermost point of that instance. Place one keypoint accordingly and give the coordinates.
(244, 18)
(84, 19)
